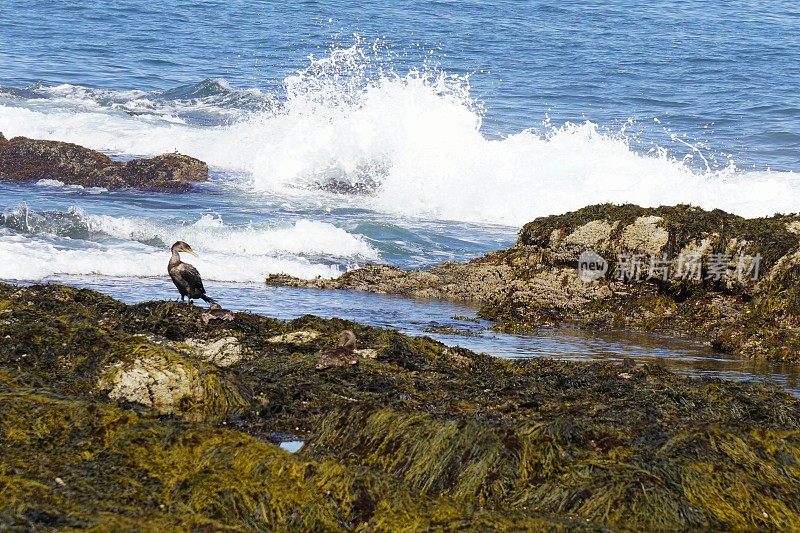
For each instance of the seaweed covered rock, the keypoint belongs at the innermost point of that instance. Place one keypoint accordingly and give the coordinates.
(708, 478)
(420, 437)
(730, 281)
(72, 463)
(69, 342)
(23, 159)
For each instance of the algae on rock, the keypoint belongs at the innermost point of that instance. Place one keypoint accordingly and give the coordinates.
(422, 437)
(729, 281)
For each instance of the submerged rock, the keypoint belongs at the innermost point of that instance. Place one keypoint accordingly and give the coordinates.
(730, 281)
(23, 159)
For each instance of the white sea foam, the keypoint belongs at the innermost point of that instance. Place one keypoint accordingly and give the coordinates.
(303, 238)
(49, 183)
(48, 246)
(23, 258)
(418, 137)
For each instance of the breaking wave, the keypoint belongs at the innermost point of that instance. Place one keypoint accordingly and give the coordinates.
(409, 144)
(76, 243)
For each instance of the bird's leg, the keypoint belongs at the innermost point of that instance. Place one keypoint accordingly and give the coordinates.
(191, 302)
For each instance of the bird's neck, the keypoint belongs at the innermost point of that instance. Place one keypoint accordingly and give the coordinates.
(175, 259)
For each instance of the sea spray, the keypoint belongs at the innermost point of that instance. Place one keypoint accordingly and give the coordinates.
(409, 143)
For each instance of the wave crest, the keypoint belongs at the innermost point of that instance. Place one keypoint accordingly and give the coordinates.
(76, 243)
(411, 144)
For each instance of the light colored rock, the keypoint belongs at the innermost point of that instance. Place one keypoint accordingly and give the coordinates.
(154, 381)
(459, 361)
(794, 227)
(645, 236)
(223, 352)
(367, 353)
(783, 265)
(592, 236)
(296, 337)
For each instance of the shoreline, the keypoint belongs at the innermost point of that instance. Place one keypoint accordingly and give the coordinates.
(743, 295)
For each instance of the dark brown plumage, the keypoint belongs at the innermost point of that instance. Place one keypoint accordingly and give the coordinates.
(342, 355)
(216, 312)
(186, 277)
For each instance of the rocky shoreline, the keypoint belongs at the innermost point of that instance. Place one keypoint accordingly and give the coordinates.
(117, 416)
(710, 275)
(23, 159)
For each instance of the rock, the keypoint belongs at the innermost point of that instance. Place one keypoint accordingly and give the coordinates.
(425, 437)
(23, 159)
(172, 385)
(645, 236)
(711, 275)
(155, 382)
(450, 280)
(167, 171)
(295, 337)
(223, 352)
(366, 353)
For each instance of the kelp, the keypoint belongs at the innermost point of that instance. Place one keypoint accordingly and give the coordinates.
(110, 469)
(416, 436)
(699, 478)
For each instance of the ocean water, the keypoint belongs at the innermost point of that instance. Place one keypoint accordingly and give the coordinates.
(401, 132)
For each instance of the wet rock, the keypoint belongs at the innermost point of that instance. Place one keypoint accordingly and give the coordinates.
(164, 172)
(718, 277)
(471, 282)
(23, 159)
(423, 437)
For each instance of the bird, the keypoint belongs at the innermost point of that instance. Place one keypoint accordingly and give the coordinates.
(186, 277)
(216, 312)
(342, 355)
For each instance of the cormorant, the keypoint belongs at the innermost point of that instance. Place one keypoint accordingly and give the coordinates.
(186, 277)
(342, 355)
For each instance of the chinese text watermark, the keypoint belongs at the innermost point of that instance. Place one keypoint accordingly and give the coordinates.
(687, 266)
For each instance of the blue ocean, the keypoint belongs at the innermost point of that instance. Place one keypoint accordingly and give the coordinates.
(407, 133)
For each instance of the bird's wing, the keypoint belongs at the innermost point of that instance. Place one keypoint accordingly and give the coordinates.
(192, 276)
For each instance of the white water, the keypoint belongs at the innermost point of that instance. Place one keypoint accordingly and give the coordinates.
(123, 246)
(418, 136)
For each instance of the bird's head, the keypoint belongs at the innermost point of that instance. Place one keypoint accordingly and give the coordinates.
(181, 246)
(347, 339)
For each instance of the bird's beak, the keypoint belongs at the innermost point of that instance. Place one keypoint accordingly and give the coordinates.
(190, 251)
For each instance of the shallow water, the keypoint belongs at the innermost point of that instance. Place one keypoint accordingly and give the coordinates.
(423, 317)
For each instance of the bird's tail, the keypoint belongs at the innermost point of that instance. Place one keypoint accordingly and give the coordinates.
(208, 299)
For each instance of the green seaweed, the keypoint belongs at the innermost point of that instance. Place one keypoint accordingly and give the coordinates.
(421, 437)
